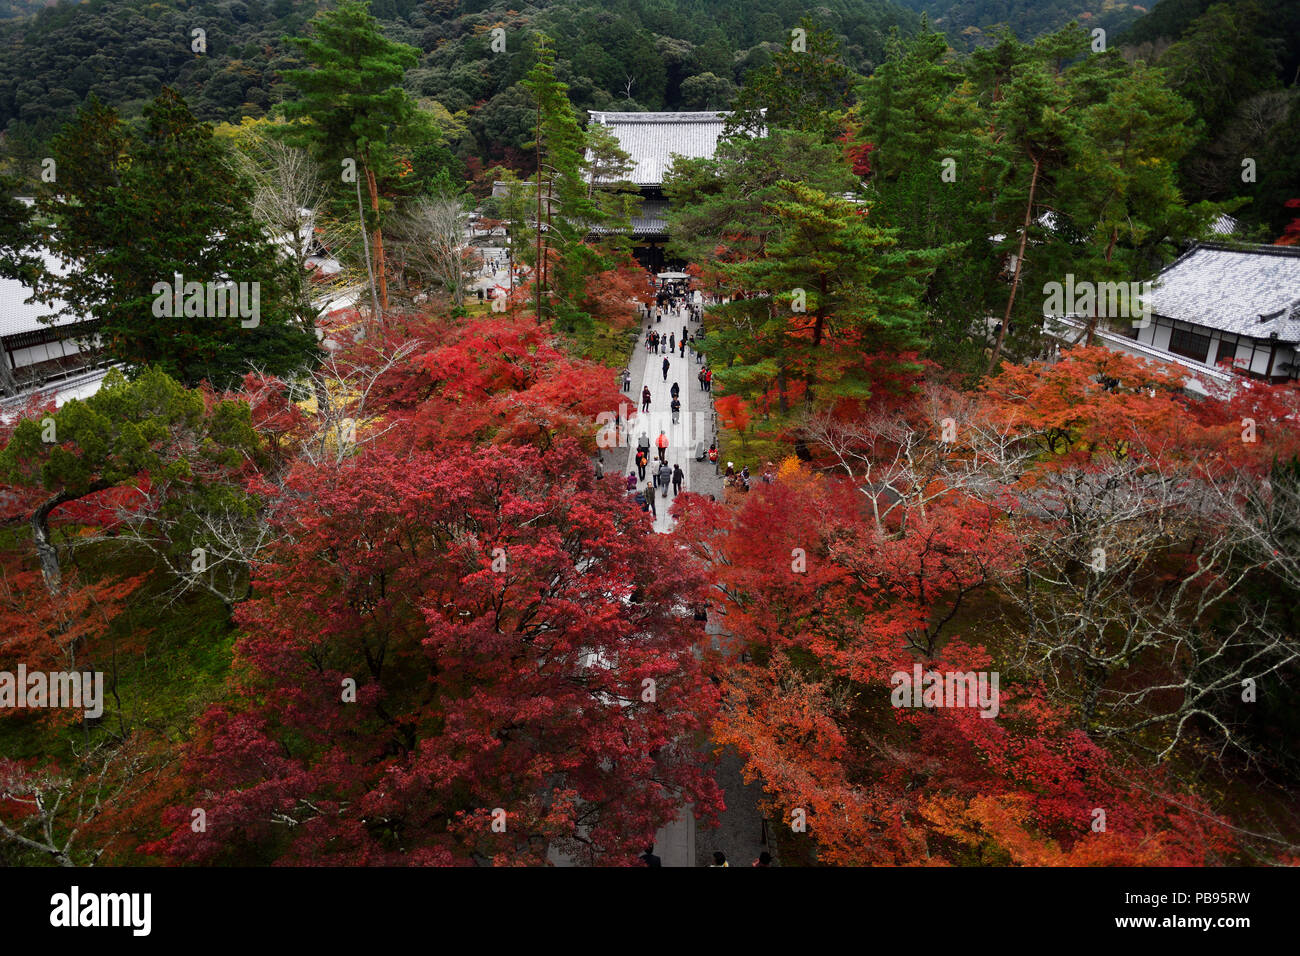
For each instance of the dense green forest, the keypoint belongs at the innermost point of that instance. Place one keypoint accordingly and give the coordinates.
(10, 9)
(1237, 64)
(625, 54)
(970, 22)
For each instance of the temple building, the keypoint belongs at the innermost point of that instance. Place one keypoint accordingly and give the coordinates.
(652, 139)
(37, 354)
(1216, 312)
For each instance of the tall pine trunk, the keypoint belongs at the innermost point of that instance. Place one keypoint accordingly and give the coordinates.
(370, 269)
(381, 272)
(1020, 262)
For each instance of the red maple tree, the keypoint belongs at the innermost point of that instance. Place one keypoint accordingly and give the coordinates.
(519, 646)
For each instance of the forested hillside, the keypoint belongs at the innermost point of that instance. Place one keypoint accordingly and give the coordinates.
(22, 8)
(1237, 64)
(970, 22)
(623, 54)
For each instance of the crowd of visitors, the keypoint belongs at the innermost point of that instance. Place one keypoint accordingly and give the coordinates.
(674, 304)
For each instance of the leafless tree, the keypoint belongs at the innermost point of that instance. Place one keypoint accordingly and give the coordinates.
(289, 199)
(349, 385)
(57, 809)
(1128, 600)
(211, 543)
(1266, 513)
(433, 243)
(903, 461)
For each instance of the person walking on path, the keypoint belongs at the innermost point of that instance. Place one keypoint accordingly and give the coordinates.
(708, 379)
(649, 858)
(719, 859)
(681, 349)
(676, 390)
(672, 341)
(664, 478)
(645, 398)
(642, 459)
(684, 333)
(678, 477)
(666, 363)
(701, 378)
(662, 442)
(650, 499)
(627, 380)
(677, 410)
(631, 481)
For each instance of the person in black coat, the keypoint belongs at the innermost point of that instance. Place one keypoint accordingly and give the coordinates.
(666, 364)
(649, 858)
(678, 477)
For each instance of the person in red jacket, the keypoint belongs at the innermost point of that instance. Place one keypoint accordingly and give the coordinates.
(662, 442)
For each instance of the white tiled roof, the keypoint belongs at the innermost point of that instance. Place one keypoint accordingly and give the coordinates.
(1253, 290)
(17, 314)
(1070, 330)
(1224, 225)
(653, 138)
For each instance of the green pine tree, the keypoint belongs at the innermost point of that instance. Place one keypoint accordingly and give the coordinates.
(351, 112)
(806, 87)
(830, 289)
(568, 201)
(130, 210)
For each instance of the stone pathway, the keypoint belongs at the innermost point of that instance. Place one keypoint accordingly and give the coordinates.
(694, 423)
(740, 831)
